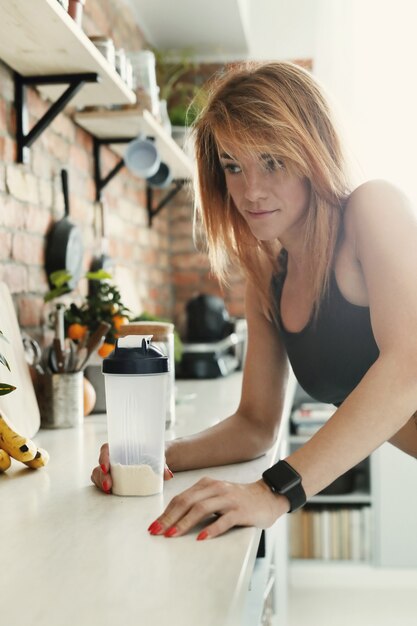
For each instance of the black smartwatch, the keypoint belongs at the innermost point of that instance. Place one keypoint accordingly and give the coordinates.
(283, 479)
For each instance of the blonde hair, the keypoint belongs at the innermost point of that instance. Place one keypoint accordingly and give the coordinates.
(279, 109)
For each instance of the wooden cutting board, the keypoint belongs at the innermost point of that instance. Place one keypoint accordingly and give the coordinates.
(20, 406)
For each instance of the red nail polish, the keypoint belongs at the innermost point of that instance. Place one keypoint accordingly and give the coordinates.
(171, 532)
(202, 535)
(170, 473)
(103, 468)
(105, 486)
(155, 528)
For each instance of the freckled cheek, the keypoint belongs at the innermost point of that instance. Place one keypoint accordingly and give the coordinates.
(235, 193)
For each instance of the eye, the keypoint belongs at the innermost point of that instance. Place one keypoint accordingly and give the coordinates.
(231, 168)
(271, 164)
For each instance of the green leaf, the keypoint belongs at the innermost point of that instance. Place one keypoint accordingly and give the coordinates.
(4, 361)
(55, 293)
(99, 275)
(60, 278)
(2, 336)
(5, 389)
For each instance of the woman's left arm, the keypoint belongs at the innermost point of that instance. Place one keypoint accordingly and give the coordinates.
(384, 226)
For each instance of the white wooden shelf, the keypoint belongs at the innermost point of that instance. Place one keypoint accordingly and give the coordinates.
(355, 497)
(130, 123)
(38, 38)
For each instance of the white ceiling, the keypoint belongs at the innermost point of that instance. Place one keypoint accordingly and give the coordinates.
(226, 30)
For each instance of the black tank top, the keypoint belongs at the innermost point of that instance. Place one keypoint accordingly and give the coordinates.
(332, 353)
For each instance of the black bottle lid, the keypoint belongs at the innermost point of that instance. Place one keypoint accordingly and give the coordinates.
(144, 358)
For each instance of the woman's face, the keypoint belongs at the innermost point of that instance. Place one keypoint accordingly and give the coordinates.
(272, 201)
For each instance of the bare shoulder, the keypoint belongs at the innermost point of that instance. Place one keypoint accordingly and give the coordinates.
(254, 300)
(377, 204)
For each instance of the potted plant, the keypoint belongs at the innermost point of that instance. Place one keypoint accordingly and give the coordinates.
(102, 304)
(177, 74)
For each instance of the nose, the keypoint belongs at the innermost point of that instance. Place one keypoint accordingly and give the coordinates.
(254, 186)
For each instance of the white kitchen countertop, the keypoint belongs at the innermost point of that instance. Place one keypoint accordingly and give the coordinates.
(73, 556)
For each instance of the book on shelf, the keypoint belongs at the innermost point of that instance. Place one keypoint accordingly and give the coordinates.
(331, 533)
(309, 417)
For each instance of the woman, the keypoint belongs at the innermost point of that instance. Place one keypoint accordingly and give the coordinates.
(330, 285)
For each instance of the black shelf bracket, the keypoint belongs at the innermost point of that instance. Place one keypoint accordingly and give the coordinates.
(153, 211)
(26, 137)
(102, 181)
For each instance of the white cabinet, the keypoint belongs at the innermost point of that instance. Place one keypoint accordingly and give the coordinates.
(395, 508)
(373, 523)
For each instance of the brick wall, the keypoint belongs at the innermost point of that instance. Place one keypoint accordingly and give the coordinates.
(190, 268)
(156, 269)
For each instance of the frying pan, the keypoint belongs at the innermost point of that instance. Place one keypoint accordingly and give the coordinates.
(64, 244)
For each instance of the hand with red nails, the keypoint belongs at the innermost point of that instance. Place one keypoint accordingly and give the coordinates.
(101, 475)
(224, 504)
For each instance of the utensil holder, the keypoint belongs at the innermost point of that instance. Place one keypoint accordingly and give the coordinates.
(61, 400)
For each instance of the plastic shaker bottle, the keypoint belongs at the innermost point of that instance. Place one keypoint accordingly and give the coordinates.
(136, 385)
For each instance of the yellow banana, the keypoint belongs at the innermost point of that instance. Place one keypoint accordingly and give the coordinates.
(41, 459)
(18, 447)
(5, 461)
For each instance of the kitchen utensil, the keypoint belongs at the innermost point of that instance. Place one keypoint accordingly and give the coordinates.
(136, 381)
(71, 352)
(58, 360)
(21, 406)
(162, 178)
(64, 245)
(33, 353)
(57, 357)
(57, 354)
(141, 157)
(60, 324)
(102, 261)
(93, 343)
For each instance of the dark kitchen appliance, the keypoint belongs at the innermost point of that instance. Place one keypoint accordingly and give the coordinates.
(215, 344)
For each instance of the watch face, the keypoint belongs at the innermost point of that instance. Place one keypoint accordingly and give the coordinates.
(282, 477)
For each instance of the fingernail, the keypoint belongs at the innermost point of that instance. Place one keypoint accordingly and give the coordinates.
(171, 532)
(103, 468)
(202, 535)
(105, 486)
(155, 528)
(170, 473)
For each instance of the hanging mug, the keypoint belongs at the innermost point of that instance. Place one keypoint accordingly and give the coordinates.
(162, 178)
(141, 157)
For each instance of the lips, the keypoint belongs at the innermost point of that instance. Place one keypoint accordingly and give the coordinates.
(256, 214)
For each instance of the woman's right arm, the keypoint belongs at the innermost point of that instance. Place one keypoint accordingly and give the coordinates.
(252, 429)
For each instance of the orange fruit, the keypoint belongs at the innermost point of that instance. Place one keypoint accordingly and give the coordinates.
(105, 349)
(119, 320)
(76, 331)
(90, 396)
